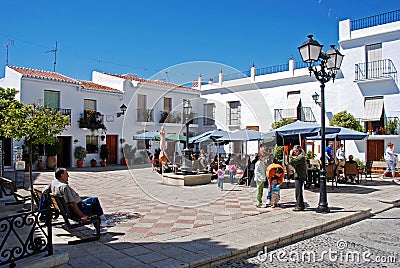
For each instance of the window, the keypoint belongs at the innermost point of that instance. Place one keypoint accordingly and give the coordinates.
(141, 108)
(90, 105)
(233, 116)
(167, 104)
(373, 113)
(293, 107)
(92, 144)
(209, 114)
(52, 99)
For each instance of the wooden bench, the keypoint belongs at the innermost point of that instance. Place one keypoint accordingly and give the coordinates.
(9, 188)
(68, 216)
(378, 167)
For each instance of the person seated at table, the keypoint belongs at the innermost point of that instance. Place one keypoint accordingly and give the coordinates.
(350, 161)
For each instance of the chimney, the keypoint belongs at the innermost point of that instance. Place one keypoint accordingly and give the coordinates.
(291, 64)
(253, 73)
(220, 78)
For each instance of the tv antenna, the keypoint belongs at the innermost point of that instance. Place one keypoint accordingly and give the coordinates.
(55, 56)
(166, 73)
(9, 43)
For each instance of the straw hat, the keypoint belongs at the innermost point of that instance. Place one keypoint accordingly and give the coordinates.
(390, 144)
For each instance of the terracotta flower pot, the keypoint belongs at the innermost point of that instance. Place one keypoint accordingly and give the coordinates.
(79, 163)
(103, 163)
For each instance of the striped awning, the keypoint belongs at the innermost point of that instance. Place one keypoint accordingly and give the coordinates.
(293, 101)
(373, 109)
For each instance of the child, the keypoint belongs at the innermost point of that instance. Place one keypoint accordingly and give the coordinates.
(232, 171)
(274, 171)
(221, 175)
(275, 192)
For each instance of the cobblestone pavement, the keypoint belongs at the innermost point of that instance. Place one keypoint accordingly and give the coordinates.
(374, 242)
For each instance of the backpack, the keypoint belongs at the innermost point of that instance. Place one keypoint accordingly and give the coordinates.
(44, 203)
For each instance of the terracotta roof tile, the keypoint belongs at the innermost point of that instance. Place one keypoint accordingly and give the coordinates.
(91, 85)
(38, 74)
(154, 82)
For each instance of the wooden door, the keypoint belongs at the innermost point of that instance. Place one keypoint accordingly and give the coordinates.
(112, 146)
(375, 150)
(64, 156)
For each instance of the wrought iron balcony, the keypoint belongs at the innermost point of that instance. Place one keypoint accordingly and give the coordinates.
(91, 120)
(64, 112)
(170, 117)
(144, 115)
(304, 114)
(371, 21)
(375, 70)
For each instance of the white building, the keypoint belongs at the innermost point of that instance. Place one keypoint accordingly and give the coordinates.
(145, 101)
(367, 87)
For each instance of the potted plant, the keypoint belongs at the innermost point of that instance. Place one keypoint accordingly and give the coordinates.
(51, 151)
(146, 115)
(392, 125)
(103, 154)
(93, 163)
(25, 154)
(79, 154)
(129, 153)
(40, 164)
(360, 164)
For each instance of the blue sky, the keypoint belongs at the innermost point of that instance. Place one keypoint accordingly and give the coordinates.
(145, 37)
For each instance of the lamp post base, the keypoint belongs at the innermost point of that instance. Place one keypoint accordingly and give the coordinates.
(322, 209)
(187, 153)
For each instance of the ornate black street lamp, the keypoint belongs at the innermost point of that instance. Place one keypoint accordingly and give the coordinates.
(187, 111)
(329, 62)
(123, 109)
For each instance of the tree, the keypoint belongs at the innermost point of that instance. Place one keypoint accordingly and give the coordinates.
(37, 123)
(42, 125)
(347, 120)
(12, 115)
(281, 123)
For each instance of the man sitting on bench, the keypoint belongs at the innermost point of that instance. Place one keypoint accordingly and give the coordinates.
(82, 208)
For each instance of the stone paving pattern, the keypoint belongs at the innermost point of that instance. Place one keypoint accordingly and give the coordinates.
(162, 225)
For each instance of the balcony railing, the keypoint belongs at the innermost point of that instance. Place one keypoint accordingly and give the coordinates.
(305, 114)
(64, 112)
(170, 117)
(91, 120)
(144, 115)
(208, 121)
(375, 69)
(23, 235)
(375, 20)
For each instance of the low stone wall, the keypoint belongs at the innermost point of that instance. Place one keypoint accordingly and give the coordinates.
(186, 180)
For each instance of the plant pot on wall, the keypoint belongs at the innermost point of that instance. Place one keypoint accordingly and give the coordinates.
(40, 165)
(103, 163)
(93, 163)
(51, 162)
(79, 163)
